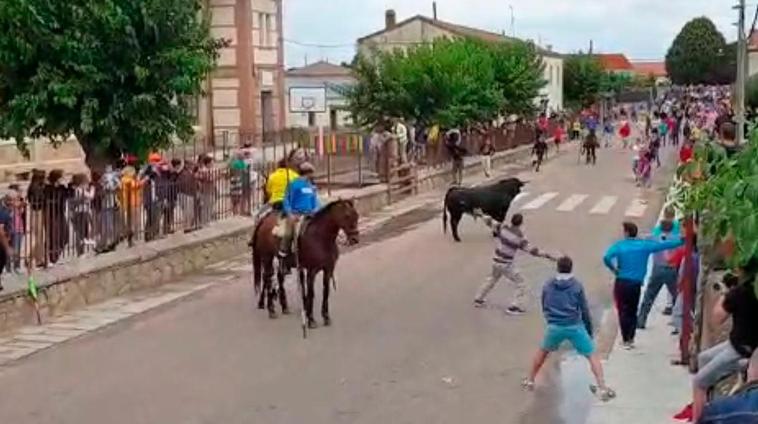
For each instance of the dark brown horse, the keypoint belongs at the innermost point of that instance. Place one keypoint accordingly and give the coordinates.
(317, 251)
(265, 246)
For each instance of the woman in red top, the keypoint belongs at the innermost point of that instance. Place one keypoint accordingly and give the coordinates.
(686, 152)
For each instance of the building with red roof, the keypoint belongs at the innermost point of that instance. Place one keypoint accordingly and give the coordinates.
(615, 62)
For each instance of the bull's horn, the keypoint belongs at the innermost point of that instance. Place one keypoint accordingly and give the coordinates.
(524, 182)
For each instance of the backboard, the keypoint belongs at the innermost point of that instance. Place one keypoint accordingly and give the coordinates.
(307, 99)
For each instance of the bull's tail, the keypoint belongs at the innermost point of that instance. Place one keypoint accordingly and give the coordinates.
(444, 210)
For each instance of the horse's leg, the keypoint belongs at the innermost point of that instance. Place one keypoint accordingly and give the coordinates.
(268, 290)
(309, 299)
(325, 299)
(282, 293)
(266, 263)
(455, 219)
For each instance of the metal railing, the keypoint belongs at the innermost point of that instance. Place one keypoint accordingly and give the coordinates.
(59, 222)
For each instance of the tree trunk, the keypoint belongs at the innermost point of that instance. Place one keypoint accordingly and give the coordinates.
(96, 157)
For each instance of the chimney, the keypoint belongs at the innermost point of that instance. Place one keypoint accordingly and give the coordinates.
(390, 19)
(434, 10)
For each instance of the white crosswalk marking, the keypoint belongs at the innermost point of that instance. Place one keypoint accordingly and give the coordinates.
(636, 209)
(604, 205)
(520, 196)
(540, 201)
(572, 202)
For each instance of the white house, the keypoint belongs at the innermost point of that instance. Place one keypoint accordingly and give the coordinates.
(329, 110)
(421, 29)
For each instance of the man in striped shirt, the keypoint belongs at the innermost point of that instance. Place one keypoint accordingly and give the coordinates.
(510, 239)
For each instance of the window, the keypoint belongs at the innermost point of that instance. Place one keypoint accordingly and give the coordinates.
(333, 118)
(261, 30)
(311, 119)
(269, 40)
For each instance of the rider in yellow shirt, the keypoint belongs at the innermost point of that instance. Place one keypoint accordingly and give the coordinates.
(276, 185)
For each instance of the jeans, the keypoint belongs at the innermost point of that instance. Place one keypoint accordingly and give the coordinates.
(627, 295)
(18, 241)
(716, 363)
(661, 275)
(510, 272)
(487, 165)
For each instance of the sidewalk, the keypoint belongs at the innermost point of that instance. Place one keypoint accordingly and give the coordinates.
(650, 390)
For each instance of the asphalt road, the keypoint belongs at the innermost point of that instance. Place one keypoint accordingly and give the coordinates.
(406, 346)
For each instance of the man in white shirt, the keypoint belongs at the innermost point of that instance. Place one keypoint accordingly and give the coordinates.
(400, 132)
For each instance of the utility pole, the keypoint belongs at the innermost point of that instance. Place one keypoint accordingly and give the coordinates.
(741, 74)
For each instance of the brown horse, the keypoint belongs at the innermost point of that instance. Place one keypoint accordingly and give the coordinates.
(317, 251)
(265, 246)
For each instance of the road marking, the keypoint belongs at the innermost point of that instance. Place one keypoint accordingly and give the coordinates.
(540, 201)
(520, 196)
(604, 205)
(636, 209)
(572, 202)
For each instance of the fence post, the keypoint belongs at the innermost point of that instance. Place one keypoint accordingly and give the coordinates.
(388, 177)
(360, 161)
(329, 173)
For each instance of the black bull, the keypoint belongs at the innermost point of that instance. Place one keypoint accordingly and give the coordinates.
(493, 200)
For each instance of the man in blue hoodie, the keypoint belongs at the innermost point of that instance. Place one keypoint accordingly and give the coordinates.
(564, 306)
(300, 199)
(628, 260)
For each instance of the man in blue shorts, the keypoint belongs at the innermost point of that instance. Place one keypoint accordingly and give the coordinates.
(564, 306)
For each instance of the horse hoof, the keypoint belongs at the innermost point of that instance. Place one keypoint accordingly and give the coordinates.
(286, 311)
(327, 322)
(272, 315)
(312, 324)
(261, 307)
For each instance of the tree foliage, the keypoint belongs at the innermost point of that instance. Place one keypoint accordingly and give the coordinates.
(583, 80)
(725, 194)
(699, 55)
(449, 82)
(114, 73)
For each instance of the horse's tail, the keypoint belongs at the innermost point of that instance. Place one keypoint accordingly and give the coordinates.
(257, 263)
(444, 210)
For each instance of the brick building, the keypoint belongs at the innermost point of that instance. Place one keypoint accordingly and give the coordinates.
(246, 92)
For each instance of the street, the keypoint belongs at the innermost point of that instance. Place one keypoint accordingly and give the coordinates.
(406, 346)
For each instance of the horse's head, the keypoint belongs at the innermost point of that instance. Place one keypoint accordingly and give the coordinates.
(346, 218)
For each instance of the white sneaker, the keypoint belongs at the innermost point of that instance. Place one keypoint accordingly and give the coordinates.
(527, 384)
(515, 310)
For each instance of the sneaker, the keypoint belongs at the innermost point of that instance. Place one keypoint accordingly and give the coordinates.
(641, 326)
(604, 394)
(479, 303)
(628, 345)
(282, 254)
(515, 310)
(528, 384)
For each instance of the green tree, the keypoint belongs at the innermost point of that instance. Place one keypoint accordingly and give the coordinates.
(583, 80)
(450, 82)
(117, 74)
(519, 73)
(697, 54)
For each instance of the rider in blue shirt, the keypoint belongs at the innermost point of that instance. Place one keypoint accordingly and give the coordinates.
(300, 199)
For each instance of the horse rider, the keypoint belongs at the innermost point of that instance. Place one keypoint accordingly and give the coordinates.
(276, 186)
(300, 199)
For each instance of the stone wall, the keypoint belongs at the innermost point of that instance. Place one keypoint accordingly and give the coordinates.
(86, 282)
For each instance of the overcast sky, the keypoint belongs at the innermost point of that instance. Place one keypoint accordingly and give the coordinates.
(642, 29)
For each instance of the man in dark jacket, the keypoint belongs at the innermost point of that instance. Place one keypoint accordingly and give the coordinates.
(564, 306)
